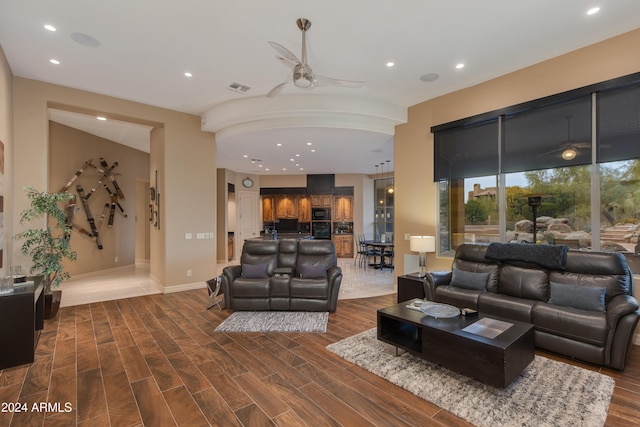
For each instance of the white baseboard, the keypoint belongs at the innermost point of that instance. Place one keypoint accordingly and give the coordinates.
(184, 287)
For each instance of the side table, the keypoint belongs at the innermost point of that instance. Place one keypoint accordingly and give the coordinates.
(21, 320)
(410, 286)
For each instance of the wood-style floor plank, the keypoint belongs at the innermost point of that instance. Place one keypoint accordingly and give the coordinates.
(157, 361)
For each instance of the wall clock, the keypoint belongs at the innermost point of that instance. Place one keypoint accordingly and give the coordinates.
(247, 182)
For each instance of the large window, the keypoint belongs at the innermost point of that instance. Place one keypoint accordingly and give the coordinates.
(566, 168)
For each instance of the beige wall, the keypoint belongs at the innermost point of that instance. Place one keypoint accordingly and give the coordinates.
(69, 149)
(6, 137)
(416, 201)
(184, 156)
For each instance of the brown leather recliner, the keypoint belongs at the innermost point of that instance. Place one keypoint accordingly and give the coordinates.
(284, 275)
(583, 308)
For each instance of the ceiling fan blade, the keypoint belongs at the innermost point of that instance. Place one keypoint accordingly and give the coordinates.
(555, 150)
(328, 81)
(276, 90)
(285, 53)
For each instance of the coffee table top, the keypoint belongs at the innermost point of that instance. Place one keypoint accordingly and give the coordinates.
(455, 325)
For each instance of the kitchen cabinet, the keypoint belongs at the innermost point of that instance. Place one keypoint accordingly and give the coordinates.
(287, 207)
(344, 245)
(343, 208)
(304, 209)
(321, 201)
(268, 209)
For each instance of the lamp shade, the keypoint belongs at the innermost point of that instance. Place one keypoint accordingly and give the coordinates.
(422, 244)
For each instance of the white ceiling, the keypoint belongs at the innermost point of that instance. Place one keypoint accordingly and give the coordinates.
(139, 51)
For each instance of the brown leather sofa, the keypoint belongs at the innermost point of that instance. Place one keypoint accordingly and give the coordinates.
(284, 275)
(580, 302)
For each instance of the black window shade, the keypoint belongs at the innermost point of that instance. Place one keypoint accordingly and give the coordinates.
(619, 124)
(466, 151)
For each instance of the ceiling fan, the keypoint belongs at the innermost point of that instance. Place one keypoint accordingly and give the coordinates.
(569, 149)
(303, 77)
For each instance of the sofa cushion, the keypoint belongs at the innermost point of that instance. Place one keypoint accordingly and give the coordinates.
(581, 297)
(520, 282)
(580, 325)
(244, 287)
(469, 279)
(254, 271)
(472, 258)
(506, 306)
(310, 271)
(309, 288)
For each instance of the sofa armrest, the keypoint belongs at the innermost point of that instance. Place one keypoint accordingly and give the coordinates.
(434, 279)
(620, 306)
(232, 272)
(334, 278)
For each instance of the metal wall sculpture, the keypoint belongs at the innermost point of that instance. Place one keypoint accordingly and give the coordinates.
(106, 179)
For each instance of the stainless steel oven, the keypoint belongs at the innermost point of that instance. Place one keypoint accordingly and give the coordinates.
(321, 230)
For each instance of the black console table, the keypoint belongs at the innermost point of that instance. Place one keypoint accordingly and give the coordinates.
(410, 286)
(21, 320)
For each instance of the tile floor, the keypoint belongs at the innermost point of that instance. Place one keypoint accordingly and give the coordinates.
(134, 280)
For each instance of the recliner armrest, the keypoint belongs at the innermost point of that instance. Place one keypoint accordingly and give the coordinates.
(620, 306)
(333, 273)
(434, 279)
(232, 272)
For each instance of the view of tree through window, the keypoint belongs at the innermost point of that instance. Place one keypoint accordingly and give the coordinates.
(564, 212)
(562, 169)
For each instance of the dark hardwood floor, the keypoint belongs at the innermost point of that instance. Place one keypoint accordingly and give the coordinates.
(156, 361)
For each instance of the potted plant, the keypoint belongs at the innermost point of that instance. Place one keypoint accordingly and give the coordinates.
(48, 246)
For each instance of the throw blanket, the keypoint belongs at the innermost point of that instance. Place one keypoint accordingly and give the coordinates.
(547, 256)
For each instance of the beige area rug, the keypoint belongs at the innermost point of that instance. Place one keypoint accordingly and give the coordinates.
(548, 393)
(275, 321)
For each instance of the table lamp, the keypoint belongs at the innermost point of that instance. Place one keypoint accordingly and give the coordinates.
(422, 245)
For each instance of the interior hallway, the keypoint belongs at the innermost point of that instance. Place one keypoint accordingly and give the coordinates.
(134, 280)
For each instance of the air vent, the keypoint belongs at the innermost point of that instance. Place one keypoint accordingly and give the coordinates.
(238, 87)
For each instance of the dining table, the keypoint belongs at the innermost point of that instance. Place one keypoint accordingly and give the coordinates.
(380, 248)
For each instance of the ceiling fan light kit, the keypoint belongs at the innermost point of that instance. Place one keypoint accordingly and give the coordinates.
(569, 154)
(302, 75)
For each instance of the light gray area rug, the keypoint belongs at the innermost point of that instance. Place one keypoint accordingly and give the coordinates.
(275, 321)
(547, 393)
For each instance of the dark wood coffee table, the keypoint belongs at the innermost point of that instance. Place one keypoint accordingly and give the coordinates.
(496, 362)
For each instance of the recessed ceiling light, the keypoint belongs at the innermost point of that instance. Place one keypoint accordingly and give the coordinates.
(301, 169)
(593, 10)
(54, 61)
(297, 155)
(292, 160)
(101, 118)
(267, 169)
(279, 144)
(259, 166)
(460, 65)
(313, 151)
(390, 64)
(188, 74)
(284, 169)
(309, 143)
(50, 27)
